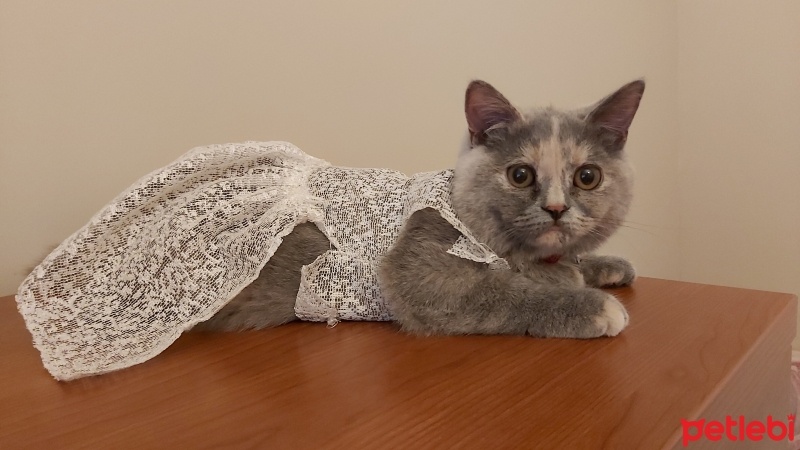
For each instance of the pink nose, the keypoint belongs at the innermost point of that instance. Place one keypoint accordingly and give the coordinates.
(556, 211)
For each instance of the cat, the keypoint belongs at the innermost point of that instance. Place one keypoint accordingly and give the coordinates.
(542, 190)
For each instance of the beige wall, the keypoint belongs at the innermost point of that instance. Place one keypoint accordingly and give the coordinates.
(94, 94)
(739, 141)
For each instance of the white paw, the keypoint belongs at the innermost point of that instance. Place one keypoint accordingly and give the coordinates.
(613, 318)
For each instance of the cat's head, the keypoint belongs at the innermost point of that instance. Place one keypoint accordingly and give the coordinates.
(548, 183)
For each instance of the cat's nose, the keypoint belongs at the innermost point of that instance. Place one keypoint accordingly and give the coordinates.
(556, 211)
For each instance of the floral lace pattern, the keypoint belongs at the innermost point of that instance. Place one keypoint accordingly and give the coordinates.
(364, 211)
(175, 247)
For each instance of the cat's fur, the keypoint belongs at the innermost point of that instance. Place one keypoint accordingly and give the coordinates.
(544, 231)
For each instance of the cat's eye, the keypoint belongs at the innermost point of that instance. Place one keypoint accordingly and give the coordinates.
(521, 176)
(588, 177)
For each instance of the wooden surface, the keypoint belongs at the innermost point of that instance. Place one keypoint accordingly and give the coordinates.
(691, 351)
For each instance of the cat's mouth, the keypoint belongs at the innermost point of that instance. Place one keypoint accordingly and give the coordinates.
(541, 239)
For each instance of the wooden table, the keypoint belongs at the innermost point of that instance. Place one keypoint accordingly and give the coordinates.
(692, 351)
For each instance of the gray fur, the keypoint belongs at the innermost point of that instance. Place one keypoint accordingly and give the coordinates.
(607, 271)
(432, 292)
(269, 300)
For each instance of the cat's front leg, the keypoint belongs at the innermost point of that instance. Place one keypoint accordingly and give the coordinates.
(432, 292)
(607, 271)
(562, 273)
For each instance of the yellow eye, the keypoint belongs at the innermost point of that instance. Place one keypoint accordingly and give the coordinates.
(521, 176)
(588, 177)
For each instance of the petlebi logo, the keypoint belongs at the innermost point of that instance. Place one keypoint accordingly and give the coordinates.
(737, 429)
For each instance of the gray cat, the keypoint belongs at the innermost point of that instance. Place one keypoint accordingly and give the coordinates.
(542, 190)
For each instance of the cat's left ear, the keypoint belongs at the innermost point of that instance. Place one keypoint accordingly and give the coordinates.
(615, 112)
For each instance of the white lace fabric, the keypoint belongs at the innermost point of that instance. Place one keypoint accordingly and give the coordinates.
(175, 247)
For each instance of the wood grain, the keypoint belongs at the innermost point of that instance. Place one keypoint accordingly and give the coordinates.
(691, 351)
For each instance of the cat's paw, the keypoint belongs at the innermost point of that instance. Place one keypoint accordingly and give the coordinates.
(580, 314)
(613, 318)
(607, 271)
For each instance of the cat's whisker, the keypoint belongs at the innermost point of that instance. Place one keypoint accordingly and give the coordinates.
(630, 227)
(623, 224)
(627, 222)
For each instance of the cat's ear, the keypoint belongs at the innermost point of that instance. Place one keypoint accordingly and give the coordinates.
(615, 112)
(486, 108)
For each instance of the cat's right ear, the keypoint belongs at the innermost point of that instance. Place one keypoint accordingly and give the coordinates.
(486, 109)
